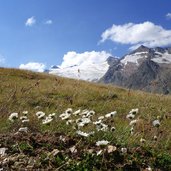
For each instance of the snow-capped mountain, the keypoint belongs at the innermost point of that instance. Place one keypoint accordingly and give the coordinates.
(145, 68)
(89, 72)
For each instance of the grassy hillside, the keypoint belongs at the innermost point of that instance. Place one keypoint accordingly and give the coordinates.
(27, 91)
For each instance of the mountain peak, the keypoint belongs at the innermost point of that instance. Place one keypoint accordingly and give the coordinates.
(142, 48)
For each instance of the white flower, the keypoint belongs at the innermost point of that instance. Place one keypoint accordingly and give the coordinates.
(113, 128)
(148, 168)
(69, 122)
(97, 122)
(84, 112)
(124, 150)
(156, 123)
(101, 117)
(65, 116)
(23, 129)
(84, 134)
(132, 130)
(130, 116)
(52, 115)
(155, 138)
(47, 120)
(142, 140)
(102, 127)
(102, 142)
(83, 121)
(40, 114)
(77, 112)
(23, 118)
(111, 114)
(91, 112)
(68, 111)
(13, 117)
(134, 111)
(25, 112)
(133, 122)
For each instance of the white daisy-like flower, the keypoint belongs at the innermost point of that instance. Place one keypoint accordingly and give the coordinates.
(85, 111)
(23, 118)
(148, 168)
(13, 117)
(133, 122)
(155, 138)
(124, 150)
(134, 111)
(25, 121)
(102, 127)
(113, 128)
(156, 123)
(132, 130)
(69, 122)
(111, 114)
(97, 122)
(130, 116)
(86, 120)
(77, 112)
(52, 115)
(142, 140)
(25, 112)
(40, 114)
(69, 111)
(47, 120)
(66, 116)
(91, 112)
(84, 134)
(101, 117)
(102, 142)
(23, 129)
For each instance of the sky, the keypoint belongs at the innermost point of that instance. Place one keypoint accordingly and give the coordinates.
(35, 34)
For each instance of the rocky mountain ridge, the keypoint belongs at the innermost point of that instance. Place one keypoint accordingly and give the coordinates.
(145, 69)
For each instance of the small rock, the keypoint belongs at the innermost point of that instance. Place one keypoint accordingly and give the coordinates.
(2, 151)
(111, 148)
(73, 149)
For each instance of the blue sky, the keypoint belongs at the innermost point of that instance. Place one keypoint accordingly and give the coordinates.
(62, 26)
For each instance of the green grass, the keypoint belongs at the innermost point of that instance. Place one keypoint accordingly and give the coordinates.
(25, 90)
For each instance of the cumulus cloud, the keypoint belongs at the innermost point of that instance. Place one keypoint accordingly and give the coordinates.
(34, 66)
(48, 22)
(2, 60)
(73, 58)
(168, 15)
(30, 21)
(146, 33)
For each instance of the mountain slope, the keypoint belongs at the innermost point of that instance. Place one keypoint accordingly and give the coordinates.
(145, 68)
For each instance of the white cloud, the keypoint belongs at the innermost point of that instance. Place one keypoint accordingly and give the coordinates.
(2, 60)
(34, 66)
(146, 33)
(168, 15)
(74, 58)
(30, 21)
(48, 22)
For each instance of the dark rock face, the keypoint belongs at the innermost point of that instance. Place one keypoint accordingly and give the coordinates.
(147, 75)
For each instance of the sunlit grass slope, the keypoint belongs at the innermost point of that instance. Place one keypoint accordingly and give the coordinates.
(28, 91)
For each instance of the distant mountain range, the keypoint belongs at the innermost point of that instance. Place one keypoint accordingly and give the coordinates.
(89, 72)
(147, 69)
